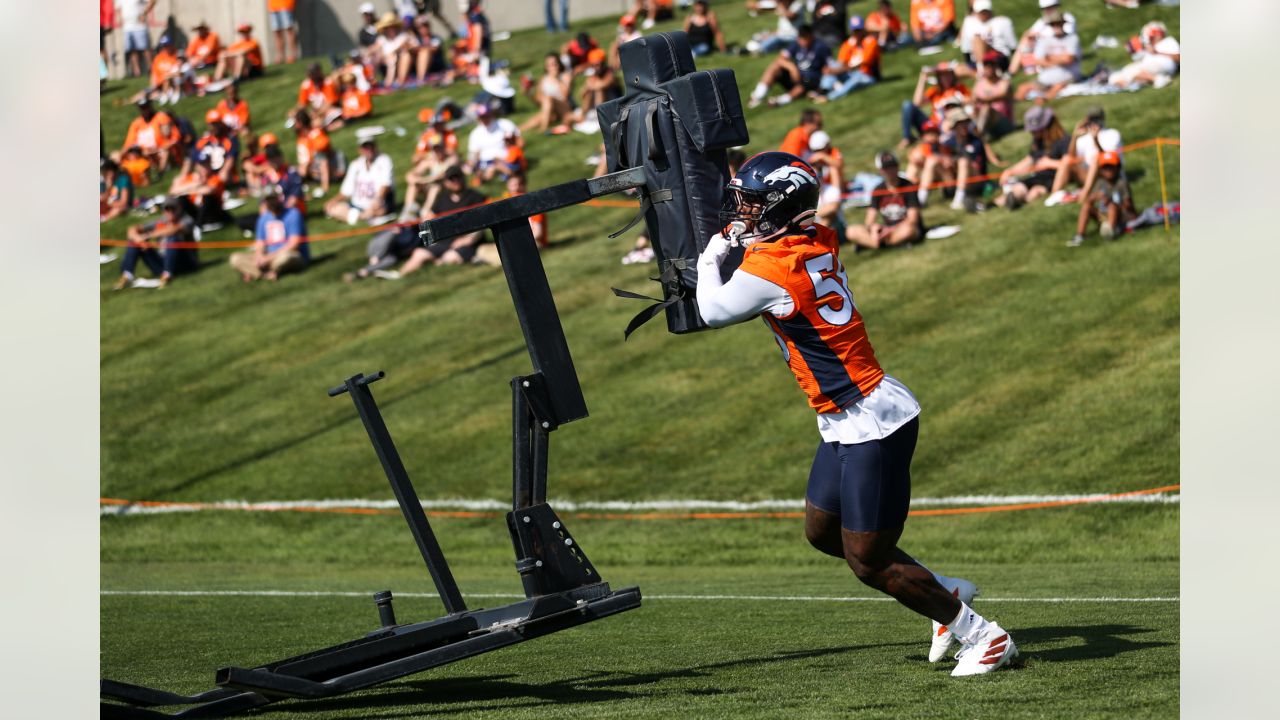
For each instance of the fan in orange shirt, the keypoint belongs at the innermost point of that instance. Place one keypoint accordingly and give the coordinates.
(437, 132)
(316, 91)
(315, 157)
(858, 64)
(928, 101)
(156, 135)
(933, 22)
(241, 59)
(356, 103)
(797, 140)
(885, 24)
(234, 110)
(204, 48)
(166, 73)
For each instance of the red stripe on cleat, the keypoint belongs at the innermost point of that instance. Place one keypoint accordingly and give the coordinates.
(942, 630)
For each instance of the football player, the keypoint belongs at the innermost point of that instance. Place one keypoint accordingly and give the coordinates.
(859, 486)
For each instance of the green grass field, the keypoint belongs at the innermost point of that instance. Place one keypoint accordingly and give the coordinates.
(1041, 370)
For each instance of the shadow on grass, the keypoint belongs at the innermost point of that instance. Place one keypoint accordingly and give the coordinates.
(345, 418)
(1099, 641)
(505, 692)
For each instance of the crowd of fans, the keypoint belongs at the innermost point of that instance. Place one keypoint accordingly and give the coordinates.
(821, 55)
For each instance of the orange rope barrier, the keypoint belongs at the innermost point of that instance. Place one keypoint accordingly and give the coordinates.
(471, 514)
(356, 232)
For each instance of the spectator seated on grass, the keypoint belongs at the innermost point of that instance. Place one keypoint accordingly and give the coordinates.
(1057, 57)
(1109, 202)
(790, 16)
(703, 28)
(136, 166)
(284, 27)
(241, 59)
(599, 85)
(929, 146)
(218, 146)
(517, 185)
(653, 11)
(797, 139)
(367, 35)
(162, 245)
(316, 157)
(573, 54)
(893, 219)
(829, 162)
(431, 66)
(965, 157)
(203, 48)
(234, 110)
(551, 95)
(475, 42)
(391, 246)
(797, 70)
(985, 32)
(936, 86)
(318, 95)
(399, 51)
(437, 131)
(166, 74)
(857, 64)
(1030, 178)
(255, 168)
(626, 33)
(1090, 138)
(993, 99)
(933, 22)
(428, 170)
(280, 243)
(115, 192)
(357, 104)
(487, 145)
(1156, 58)
(200, 191)
(830, 20)
(1024, 57)
(368, 191)
(156, 136)
(885, 25)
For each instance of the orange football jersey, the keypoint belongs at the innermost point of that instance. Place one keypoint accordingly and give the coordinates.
(823, 340)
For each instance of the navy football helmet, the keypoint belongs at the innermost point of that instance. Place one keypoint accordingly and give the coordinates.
(772, 192)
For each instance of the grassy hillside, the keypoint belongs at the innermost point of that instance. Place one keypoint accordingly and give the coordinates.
(1032, 361)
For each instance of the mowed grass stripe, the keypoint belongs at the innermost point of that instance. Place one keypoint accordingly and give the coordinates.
(697, 598)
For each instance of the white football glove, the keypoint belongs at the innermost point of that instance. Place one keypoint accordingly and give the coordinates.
(716, 251)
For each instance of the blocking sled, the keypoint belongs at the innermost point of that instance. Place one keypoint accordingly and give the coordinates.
(677, 123)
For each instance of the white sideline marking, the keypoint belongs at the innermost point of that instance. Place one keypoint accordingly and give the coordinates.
(505, 596)
(483, 505)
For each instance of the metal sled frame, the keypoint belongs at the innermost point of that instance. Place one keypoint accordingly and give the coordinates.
(562, 587)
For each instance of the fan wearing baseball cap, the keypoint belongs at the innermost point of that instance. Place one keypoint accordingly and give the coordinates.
(1024, 58)
(599, 85)
(893, 218)
(1109, 203)
(983, 31)
(242, 58)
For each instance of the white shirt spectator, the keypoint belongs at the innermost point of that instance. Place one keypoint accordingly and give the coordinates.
(1108, 138)
(487, 143)
(997, 32)
(365, 181)
(1040, 28)
(131, 19)
(1051, 44)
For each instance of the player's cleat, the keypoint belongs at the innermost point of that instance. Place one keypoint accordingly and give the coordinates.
(965, 591)
(994, 650)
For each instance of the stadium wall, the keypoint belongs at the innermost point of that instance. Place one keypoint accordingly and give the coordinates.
(328, 26)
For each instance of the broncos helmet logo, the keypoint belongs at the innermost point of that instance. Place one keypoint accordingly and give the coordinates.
(794, 176)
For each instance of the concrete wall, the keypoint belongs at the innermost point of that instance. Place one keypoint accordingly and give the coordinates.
(330, 26)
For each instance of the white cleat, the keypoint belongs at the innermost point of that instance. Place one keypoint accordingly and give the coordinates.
(942, 637)
(993, 651)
